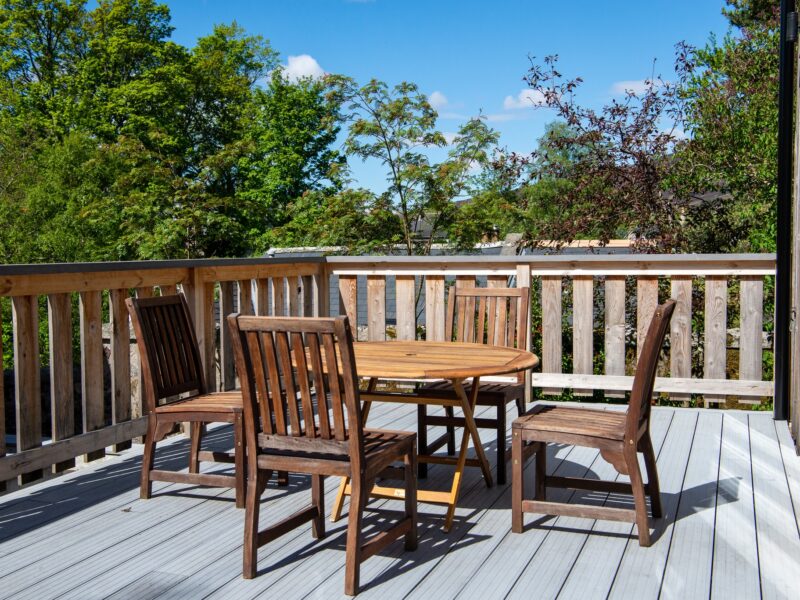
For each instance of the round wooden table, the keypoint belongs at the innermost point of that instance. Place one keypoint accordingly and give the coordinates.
(456, 361)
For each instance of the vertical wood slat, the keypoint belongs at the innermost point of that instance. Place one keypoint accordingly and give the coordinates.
(500, 321)
(245, 303)
(376, 308)
(551, 329)
(62, 407)
(524, 280)
(582, 327)
(295, 292)
(646, 302)
(262, 297)
(144, 292)
(168, 290)
(120, 360)
(716, 325)
(200, 297)
(322, 296)
(137, 401)
(434, 308)
(348, 301)
(91, 328)
(405, 307)
(751, 302)
(614, 342)
(680, 333)
(308, 296)
(466, 309)
(27, 383)
(277, 287)
(226, 361)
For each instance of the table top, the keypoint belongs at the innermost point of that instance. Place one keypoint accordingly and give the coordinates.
(438, 360)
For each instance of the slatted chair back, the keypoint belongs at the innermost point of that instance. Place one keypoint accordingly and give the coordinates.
(289, 391)
(644, 378)
(492, 316)
(170, 359)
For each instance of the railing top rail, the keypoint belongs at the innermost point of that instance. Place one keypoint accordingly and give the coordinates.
(148, 265)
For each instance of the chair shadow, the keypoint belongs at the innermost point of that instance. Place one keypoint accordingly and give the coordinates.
(61, 498)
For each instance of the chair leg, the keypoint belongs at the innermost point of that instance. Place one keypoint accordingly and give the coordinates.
(639, 498)
(517, 483)
(520, 406)
(238, 460)
(422, 438)
(358, 499)
(146, 486)
(541, 471)
(501, 442)
(252, 504)
(451, 432)
(318, 500)
(195, 434)
(410, 471)
(652, 475)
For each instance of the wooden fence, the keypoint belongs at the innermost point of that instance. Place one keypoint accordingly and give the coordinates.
(571, 294)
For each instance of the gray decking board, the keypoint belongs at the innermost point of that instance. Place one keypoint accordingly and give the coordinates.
(73, 540)
(593, 570)
(735, 566)
(688, 567)
(778, 545)
(640, 571)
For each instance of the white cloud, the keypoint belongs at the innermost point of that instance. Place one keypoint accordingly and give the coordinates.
(637, 86)
(437, 100)
(301, 66)
(507, 116)
(525, 99)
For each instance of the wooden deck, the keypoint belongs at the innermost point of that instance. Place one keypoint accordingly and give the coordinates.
(731, 492)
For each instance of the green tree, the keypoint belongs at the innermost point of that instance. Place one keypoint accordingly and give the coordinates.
(730, 90)
(291, 137)
(396, 127)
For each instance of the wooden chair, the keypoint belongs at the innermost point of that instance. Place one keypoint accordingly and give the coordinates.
(300, 418)
(493, 316)
(618, 436)
(175, 391)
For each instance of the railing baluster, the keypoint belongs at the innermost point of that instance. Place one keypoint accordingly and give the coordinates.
(466, 326)
(245, 289)
(308, 296)
(552, 339)
(262, 297)
(91, 328)
(582, 327)
(278, 290)
(295, 293)
(646, 302)
(751, 354)
(716, 325)
(680, 333)
(348, 301)
(27, 384)
(62, 407)
(376, 308)
(120, 361)
(434, 308)
(227, 364)
(614, 342)
(3, 448)
(405, 307)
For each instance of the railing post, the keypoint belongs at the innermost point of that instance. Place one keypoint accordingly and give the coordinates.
(91, 328)
(322, 291)
(121, 401)
(200, 297)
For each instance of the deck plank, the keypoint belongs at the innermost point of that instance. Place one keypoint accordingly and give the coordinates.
(592, 572)
(730, 478)
(735, 566)
(688, 570)
(778, 545)
(640, 571)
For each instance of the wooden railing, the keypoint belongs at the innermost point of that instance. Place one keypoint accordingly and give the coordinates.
(582, 298)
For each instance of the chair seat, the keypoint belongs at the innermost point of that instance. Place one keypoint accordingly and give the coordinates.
(590, 422)
(488, 395)
(220, 402)
(377, 442)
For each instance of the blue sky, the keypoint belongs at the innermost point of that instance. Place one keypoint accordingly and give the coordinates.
(469, 55)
